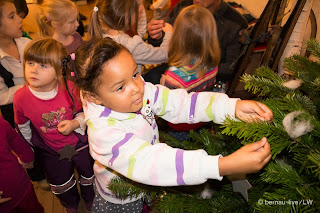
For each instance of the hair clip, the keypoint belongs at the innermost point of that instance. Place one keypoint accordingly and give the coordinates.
(95, 9)
(73, 56)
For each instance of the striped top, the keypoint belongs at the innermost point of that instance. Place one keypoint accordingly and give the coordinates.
(183, 77)
(128, 143)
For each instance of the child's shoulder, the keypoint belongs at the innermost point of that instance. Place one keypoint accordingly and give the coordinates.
(21, 93)
(22, 90)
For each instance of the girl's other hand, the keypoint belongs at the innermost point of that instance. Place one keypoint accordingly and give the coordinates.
(248, 159)
(67, 126)
(247, 110)
(3, 200)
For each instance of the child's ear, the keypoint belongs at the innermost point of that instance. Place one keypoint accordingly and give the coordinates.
(55, 24)
(93, 98)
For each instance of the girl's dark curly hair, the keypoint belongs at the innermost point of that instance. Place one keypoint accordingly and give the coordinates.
(91, 56)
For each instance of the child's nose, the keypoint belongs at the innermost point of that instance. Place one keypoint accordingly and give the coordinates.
(34, 69)
(135, 88)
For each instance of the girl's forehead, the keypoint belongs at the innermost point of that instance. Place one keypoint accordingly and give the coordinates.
(7, 8)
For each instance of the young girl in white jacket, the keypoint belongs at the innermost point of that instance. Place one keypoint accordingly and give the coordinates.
(123, 135)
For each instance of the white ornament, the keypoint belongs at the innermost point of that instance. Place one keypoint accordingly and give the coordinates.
(293, 84)
(295, 125)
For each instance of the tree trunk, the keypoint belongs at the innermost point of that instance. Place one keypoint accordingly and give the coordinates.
(295, 42)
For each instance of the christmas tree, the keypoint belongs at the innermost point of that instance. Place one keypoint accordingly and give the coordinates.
(290, 182)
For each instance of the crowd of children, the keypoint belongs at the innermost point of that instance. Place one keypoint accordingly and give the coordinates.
(85, 106)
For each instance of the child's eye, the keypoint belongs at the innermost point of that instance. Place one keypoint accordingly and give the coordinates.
(135, 75)
(30, 63)
(119, 89)
(44, 66)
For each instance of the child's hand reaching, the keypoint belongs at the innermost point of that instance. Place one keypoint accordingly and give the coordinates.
(67, 126)
(3, 200)
(26, 165)
(167, 28)
(247, 110)
(248, 159)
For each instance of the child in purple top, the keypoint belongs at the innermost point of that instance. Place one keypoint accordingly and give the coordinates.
(16, 190)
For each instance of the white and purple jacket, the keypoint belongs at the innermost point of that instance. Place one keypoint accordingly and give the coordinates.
(128, 143)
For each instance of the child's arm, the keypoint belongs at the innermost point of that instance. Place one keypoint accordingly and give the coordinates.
(178, 106)
(6, 94)
(163, 165)
(144, 53)
(5, 199)
(67, 126)
(77, 124)
(19, 146)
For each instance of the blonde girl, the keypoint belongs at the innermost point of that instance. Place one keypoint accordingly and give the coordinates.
(118, 19)
(54, 110)
(12, 45)
(59, 19)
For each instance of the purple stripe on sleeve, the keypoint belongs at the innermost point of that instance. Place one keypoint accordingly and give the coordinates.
(192, 107)
(156, 95)
(179, 167)
(106, 112)
(115, 148)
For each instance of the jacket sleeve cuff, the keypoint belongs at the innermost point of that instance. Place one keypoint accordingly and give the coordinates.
(231, 107)
(210, 167)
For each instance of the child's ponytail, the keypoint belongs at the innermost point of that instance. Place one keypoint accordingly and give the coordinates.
(44, 24)
(95, 29)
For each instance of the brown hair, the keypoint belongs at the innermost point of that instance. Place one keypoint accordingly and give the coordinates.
(194, 40)
(46, 51)
(53, 10)
(114, 14)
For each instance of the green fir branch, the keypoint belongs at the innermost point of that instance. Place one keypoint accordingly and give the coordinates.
(263, 86)
(279, 172)
(254, 131)
(224, 200)
(125, 188)
(314, 47)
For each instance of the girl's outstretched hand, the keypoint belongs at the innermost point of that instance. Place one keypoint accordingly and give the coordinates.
(5, 199)
(248, 159)
(248, 110)
(67, 126)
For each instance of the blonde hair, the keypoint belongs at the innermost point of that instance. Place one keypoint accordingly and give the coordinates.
(194, 41)
(53, 10)
(46, 51)
(114, 14)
